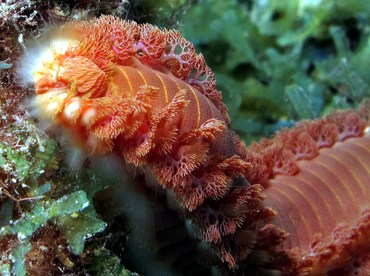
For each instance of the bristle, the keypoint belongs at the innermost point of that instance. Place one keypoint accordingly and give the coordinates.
(160, 247)
(37, 53)
(75, 159)
(109, 167)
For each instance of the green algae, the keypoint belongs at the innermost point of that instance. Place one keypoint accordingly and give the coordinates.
(277, 62)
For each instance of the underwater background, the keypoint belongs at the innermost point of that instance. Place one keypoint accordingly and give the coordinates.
(276, 62)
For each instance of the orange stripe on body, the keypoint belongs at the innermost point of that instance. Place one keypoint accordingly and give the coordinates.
(164, 87)
(305, 218)
(211, 108)
(340, 186)
(336, 186)
(134, 77)
(315, 223)
(288, 218)
(137, 76)
(359, 153)
(326, 180)
(128, 80)
(355, 191)
(188, 87)
(142, 76)
(198, 105)
(316, 193)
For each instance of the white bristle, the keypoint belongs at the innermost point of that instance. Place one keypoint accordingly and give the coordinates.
(37, 58)
(367, 130)
(52, 107)
(88, 117)
(72, 109)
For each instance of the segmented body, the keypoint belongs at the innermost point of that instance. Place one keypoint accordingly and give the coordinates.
(332, 223)
(341, 164)
(144, 93)
(161, 111)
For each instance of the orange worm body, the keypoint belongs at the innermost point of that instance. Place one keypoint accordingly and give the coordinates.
(321, 202)
(332, 191)
(278, 205)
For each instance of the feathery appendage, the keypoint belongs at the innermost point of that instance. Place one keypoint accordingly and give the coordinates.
(145, 94)
(316, 176)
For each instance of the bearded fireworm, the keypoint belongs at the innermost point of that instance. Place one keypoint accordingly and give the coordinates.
(297, 203)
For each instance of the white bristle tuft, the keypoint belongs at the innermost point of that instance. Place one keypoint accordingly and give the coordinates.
(34, 60)
(72, 109)
(367, 130)
(75, 159)
(88, 117)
